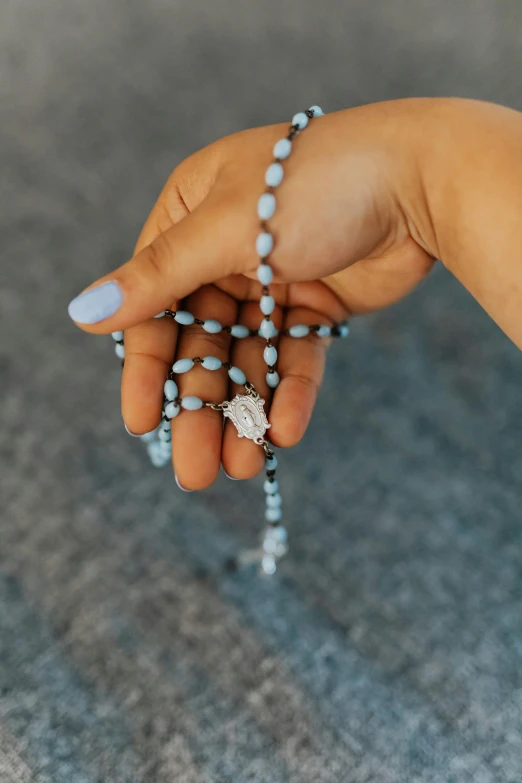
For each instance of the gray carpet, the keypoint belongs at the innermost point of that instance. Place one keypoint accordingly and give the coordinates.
(389, 647)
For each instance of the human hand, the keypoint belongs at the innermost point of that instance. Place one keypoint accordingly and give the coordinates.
(352, 234)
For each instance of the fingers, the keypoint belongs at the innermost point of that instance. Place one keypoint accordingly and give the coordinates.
(149, 351)
(197, 435)
(241, 457)
(301, 364)
(208, 244)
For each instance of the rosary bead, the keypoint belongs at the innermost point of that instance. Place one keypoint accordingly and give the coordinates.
(318, 112)
(282, 149)
(268, 564)
(299, 330)
(270, 487)
(264, 244)
(191, 403)
(278, 533)
(166, 424)
(165, 447)
(184, 318)
(272, 379)
(344, 330)
(267, 304)
(264, 274)
(211, 363)
(182, 365)
(274, 501)
(273, 514)
(211, 326)
(170, 389)
(266, 206)
(267, 328)
(237, 375)
(270, 355)
(274, 175)
(160, 315)
(164, 435)
(300, 119)
(171, 410)
(157, 455)
(238, 330)
(148, 437)
(117, 336)
(324, 331)
(271, 463)
(119, 350)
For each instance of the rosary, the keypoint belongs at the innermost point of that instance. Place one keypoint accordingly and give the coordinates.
(246, 411)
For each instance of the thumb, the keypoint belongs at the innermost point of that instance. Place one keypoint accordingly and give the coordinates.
(204, 247)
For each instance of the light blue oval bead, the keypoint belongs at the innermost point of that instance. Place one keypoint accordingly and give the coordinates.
(170, 390)
(117, 336)
(267, 328)
(148, 437)
(164, 435)
(344, 330)
(272, 379)
(274, 501)
(211, 363)
(318, 112)
(267, 304)
(166, 424)
(278, 534)
(270, 487)
(182, 365)
(191, 403)
(237, 375)
(264, 243)
(299, 330)
(183, 317)
(157, 455)
(264, 274)
(324, 331)
(165, 447)
(211, 326)
(160, 315)
(282, 149)
(238, 330)
(300, 119)
(274, 175)
(273, 514)
(271, 463)
(171, 410)
(119, 350)
(270, 355)
(266, 206)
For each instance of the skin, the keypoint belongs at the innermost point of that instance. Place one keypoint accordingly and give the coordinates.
(371, 197)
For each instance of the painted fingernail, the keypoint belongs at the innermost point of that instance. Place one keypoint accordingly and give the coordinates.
(96, 304)
(230, 477)
(179, 485)
(134, 434)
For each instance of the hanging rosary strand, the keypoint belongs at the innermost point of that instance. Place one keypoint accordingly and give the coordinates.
(246, 411)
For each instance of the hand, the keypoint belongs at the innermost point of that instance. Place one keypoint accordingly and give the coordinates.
(350, 237)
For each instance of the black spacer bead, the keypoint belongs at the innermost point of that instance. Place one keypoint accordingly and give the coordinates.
(252, 332)
(197, 360)
(271, 479)
(270, 368)
(315, 327)
(198, 321)
(270, 473)
(336, 332)
(170, 313)
(227, 329)
(226, 365)
(265, 291)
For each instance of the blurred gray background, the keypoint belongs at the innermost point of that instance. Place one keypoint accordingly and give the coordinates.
(389, 646)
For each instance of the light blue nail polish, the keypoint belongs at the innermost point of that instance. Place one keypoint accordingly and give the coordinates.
(96, 304)
(179, 485)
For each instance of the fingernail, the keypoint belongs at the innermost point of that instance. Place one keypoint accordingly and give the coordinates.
(134, 435)
(96, 304)
(179, 485)
(230, 477)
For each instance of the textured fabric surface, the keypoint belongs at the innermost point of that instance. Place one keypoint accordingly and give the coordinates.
(389, 647)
